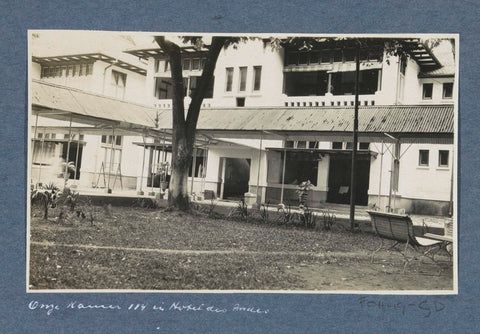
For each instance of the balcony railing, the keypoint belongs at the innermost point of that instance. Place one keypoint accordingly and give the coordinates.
(329, 101)
(167, 103)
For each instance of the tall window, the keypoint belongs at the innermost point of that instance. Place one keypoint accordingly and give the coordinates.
(423, 157)
(257, 77)
(427, 91)
(163, 88)
(448, 90)
(229, 76)
(119, 81)
(49, 71)
(443, 158)
(243, 79)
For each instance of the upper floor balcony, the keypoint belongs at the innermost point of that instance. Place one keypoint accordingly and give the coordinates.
(329, 100)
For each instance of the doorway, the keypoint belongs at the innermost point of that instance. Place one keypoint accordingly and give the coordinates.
(72, 157)
(339, 179)
(236, 176)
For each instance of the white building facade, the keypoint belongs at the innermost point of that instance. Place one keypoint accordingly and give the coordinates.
(253, 75)
(96, 65)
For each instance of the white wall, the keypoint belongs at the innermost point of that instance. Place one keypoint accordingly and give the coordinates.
(415, 182)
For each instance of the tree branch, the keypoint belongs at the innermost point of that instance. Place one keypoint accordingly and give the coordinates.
(172, 50)
(205, 80)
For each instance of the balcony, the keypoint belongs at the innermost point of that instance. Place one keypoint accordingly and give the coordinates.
(167, 103)
(329, 100)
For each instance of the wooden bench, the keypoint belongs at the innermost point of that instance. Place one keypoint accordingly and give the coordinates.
(399, 228)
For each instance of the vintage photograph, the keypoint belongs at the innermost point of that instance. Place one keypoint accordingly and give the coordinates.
(242, 162)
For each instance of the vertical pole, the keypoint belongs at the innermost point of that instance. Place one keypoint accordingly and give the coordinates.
(76, 158)
(329, 84)
(153, 153)
(259, 195)
(65, 176)
(33, 145)
(111, 161)
(283, 170)
(41, 151)
(204, 169)
(380, 181)
(194, 163)
(143, 167)
(450, 208)
(353, 179)
(34, 137)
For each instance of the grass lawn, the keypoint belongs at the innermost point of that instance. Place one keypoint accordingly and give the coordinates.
(136, 248)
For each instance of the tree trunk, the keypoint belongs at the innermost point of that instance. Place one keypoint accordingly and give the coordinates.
(178, 190)
(184, 130)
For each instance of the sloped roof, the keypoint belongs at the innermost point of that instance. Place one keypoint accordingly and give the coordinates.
(395, 119)
(61, 102)
(60, 45)
(445, 55)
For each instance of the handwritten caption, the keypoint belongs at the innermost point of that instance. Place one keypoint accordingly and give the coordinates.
(424, 308)
(50, 309)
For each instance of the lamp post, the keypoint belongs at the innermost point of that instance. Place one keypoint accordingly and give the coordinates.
(353, 175)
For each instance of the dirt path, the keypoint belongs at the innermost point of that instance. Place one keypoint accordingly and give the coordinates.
(353, 255)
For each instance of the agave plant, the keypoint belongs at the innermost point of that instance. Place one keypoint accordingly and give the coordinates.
(48, 195)
(70, 198)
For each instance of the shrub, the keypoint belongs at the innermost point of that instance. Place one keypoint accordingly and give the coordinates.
(329, 220)
(48, 195)
(240, 211)
(307, 217)
(70, 198)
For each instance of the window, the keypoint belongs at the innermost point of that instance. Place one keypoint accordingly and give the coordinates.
(243, 79)
(325, 58)
(427, 91)
(289, 144)
(423, 158)
(443, 158)
(363, 146)
(349, 55)
(108, 140)
(313, 83)
(448, 90)
(119, 81)
(403, 65)
(301, 144)
(186, 64)
(292, 58)
(343, 83)
(314, 57)
(66, 70)
(240, 102)
(337, 56)
(163, 88)
(229, 79)
(257, 77)
(337, 145)
(196, 64)
(303, 58)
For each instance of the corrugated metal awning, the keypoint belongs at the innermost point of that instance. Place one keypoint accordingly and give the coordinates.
(415, 122)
